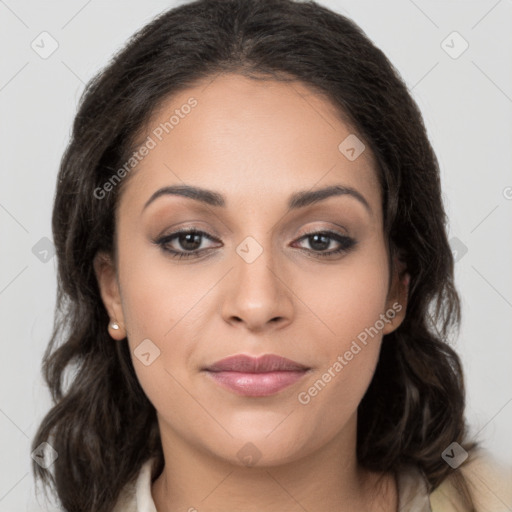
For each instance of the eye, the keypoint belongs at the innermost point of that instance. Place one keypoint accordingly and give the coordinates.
(321, 240)
(190, 242)
(188, 239)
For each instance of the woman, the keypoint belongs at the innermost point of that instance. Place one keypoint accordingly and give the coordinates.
(250, 234)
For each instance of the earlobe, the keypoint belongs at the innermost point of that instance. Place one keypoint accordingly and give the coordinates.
(106, 277)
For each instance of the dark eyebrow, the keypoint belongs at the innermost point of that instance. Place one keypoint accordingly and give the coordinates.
(307, 197)
(199, 194)
(297, 200)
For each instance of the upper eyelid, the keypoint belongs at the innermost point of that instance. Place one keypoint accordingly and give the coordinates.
(346, 243)
(175, 234)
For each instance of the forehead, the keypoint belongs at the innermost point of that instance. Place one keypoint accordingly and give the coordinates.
(250, 139)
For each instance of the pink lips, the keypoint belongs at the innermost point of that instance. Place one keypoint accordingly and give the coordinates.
(262, 376)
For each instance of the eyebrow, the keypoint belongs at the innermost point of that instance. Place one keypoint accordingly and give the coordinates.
(297, 200)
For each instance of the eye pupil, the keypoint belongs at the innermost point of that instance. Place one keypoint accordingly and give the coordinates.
(188, 237)
(323, 245)
(189, 243)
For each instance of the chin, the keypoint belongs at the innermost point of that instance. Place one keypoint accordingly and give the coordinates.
(270, 447)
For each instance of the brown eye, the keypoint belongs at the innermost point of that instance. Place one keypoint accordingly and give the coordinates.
(319, 241)
(188, 241)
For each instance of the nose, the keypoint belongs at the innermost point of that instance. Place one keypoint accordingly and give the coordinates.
(258, 294)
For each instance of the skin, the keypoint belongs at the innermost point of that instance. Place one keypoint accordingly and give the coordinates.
(256, 143)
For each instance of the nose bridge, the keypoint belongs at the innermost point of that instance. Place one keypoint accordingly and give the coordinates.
(258, 294)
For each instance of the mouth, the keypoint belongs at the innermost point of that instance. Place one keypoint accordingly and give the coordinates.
(262, 376)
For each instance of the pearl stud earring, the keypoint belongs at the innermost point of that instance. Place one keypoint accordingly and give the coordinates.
(114, 325)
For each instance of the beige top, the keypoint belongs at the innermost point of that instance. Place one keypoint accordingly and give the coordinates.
(491, 483)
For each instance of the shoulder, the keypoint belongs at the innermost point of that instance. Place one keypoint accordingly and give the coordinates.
(489, 482)
(127, 501)
(136, 494)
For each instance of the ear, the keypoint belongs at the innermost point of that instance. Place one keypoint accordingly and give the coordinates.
(105, 271)
(397, 295)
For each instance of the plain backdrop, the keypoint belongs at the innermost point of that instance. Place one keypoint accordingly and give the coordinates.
(466, 100)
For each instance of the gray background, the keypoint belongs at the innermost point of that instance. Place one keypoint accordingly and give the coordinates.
(467, 107)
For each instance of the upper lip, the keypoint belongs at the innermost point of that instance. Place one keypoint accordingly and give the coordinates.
(263, 364)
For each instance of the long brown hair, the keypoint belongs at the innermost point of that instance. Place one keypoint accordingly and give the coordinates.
(102, 425)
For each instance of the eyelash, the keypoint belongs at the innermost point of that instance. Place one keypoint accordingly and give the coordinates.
(347, 243)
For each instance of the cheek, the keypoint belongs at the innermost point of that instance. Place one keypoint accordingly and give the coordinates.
(333, 306)
(347, 342)
(332, 396)
(158, 295)
(159, 317)
(347, 299)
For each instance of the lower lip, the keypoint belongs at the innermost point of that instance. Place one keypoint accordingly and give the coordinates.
(257, 384)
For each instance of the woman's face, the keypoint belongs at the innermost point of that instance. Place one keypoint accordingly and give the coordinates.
(254, 283)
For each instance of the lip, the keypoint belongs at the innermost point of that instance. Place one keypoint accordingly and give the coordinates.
(260, 376)
(263, 364)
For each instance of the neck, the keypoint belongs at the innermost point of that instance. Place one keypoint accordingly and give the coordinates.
(328, 478)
